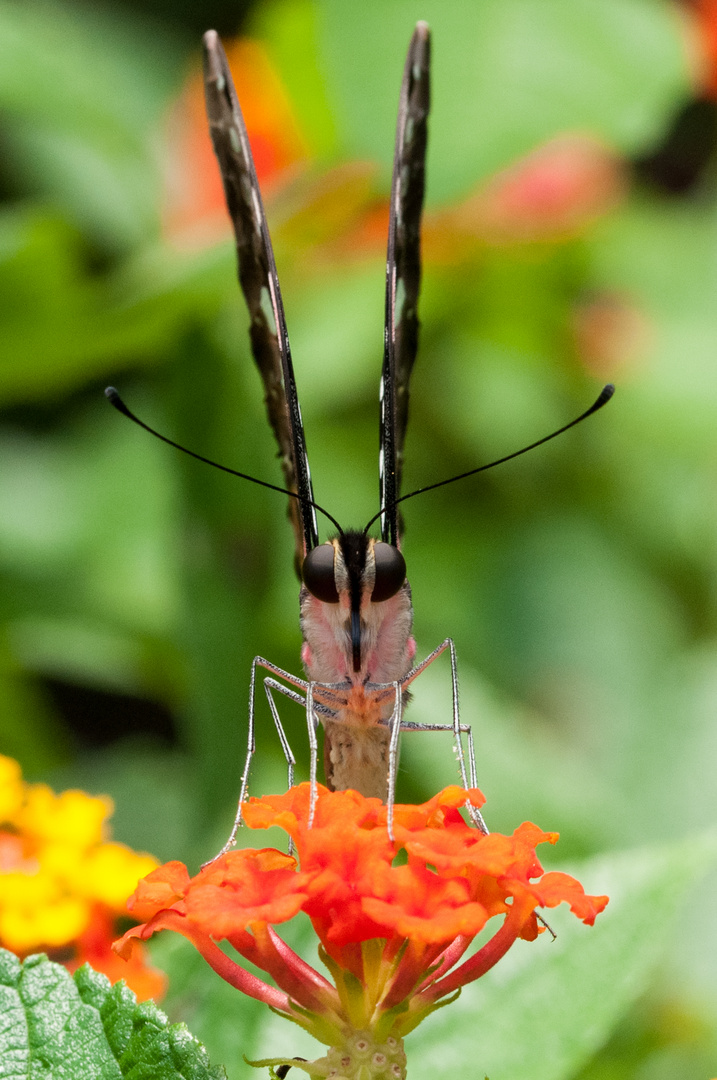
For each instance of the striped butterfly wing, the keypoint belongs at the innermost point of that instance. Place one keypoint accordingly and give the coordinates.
(403, 272)
(260, 285)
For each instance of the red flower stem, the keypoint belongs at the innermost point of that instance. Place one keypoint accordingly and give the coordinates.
(411, 968)
(297, 978)
(232, 973)
(486, 957)
(449, 957)
(304, 971)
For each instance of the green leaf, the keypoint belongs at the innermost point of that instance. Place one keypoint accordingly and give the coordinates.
(56, 1027)
(81, 326)
(506, 76)
(84, 578)
(289, 29)
(81, 93)
(29, 732)
(548, 1006)
(661, 256)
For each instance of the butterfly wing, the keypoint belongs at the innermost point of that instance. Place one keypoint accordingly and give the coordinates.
(403, 272)
(260, 285)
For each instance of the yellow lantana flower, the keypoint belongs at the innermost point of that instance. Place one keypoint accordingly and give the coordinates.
(63, 884)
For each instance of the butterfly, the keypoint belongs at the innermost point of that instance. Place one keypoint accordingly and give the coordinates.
(356, 611)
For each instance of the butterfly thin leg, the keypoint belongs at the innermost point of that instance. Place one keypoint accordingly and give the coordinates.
(473, 812)
(269, 685)
(457, 728)
(410, 725)
(395, 724)
(311, 725)
(259, 661)
(467, 730)
(250, 751)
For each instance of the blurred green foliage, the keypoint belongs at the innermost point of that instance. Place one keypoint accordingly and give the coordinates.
(579, 583)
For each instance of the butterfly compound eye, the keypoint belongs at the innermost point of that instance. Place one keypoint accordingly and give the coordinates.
(390, 571)
(318, 574)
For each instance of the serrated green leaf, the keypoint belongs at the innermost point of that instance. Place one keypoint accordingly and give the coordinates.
(56, 1027)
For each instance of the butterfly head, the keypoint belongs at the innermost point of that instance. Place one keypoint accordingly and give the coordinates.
(354, 571)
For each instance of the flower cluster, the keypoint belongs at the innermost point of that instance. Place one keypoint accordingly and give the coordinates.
(395, 917)
(62, 887)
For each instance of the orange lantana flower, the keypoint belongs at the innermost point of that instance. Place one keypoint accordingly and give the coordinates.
(392, 936)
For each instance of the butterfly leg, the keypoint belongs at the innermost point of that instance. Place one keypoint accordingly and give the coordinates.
(469, 775)
(395, 725)
(312, 722)
(270, 685)
(473, 812)
(258, 661)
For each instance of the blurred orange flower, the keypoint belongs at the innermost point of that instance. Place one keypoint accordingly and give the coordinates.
(63, 887)
(610, 332)
(705, 13)
(195, 209)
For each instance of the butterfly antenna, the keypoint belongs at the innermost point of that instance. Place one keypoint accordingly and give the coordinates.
(605, 395)
(114, 399)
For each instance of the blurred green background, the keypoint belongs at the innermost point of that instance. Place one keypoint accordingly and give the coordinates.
(579, 582)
